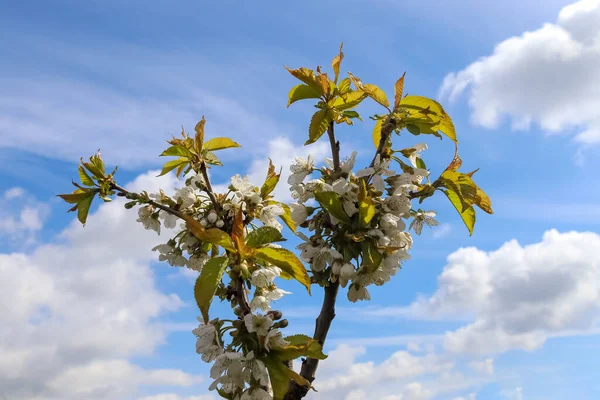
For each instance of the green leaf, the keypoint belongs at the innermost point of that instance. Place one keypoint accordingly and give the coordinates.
(212, 235)
(301, 92)
(75, 197)
(211, 158)
(177, 151)
(96, 172)
(301, 346)
(83, 206)
(318, 125)
(414, 129)
(96, 160)
(281, 375)
(377, 94)
(331, 202)
(207, 283)
(366, 206)
(349, 100)
(344, 86)
(468, 215)
(287, 261)
(420, 163)
(219, 144)
(377, 132)
(84, 177)
(262, 236)
(371, 257)
(431, 107)
(286, 217)
(308, 76)
(171, 165)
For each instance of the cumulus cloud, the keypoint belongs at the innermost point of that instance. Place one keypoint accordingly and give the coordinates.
(402, 376)
(21, 217)
(549, 76)
(75, 311)
(518, 296)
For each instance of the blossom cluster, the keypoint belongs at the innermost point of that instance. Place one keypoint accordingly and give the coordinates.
(331, 250)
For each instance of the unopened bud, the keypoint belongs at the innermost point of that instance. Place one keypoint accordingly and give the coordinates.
(220, 223)
(281, 324)
(275, 315)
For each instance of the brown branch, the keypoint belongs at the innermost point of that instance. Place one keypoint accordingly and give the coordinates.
(151, 202)
(327, 314)
(239, 292)
(209, 189)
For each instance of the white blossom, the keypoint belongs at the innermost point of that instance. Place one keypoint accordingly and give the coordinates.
(264, 277)
(197, 261)
(423, 217)
(299, 213)
(260, 303)
(356, 292)
(276, 294)
(391, 223)
(418, 148)
(300, 169)
(397, 204)
(145, 217)
(255, 370)
(258, 323)
(347, 271)
(186, 195)
(274, 340)
(346, 165)
(268, 214)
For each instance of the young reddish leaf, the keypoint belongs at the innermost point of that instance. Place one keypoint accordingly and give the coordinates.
(398, 88)
(308, 76)
(335, 64)
(199, 139)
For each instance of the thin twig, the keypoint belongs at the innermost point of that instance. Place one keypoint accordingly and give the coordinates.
(209, 188)
(167, 209)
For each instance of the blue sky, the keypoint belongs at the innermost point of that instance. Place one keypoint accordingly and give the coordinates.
(509, 313)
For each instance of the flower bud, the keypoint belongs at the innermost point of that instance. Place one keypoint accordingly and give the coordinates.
(275, 315)
(212, 217)
(281, 324)
(347, 271)
(220, 223)
(203, 222)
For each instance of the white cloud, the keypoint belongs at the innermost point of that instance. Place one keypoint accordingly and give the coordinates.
(172, 396)
(76, 310)
(548, 76)
(402, 376)
(21, 217)
(144, 96)
(484, 366)
(441, 231)
(518, 296)
(514, 394)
